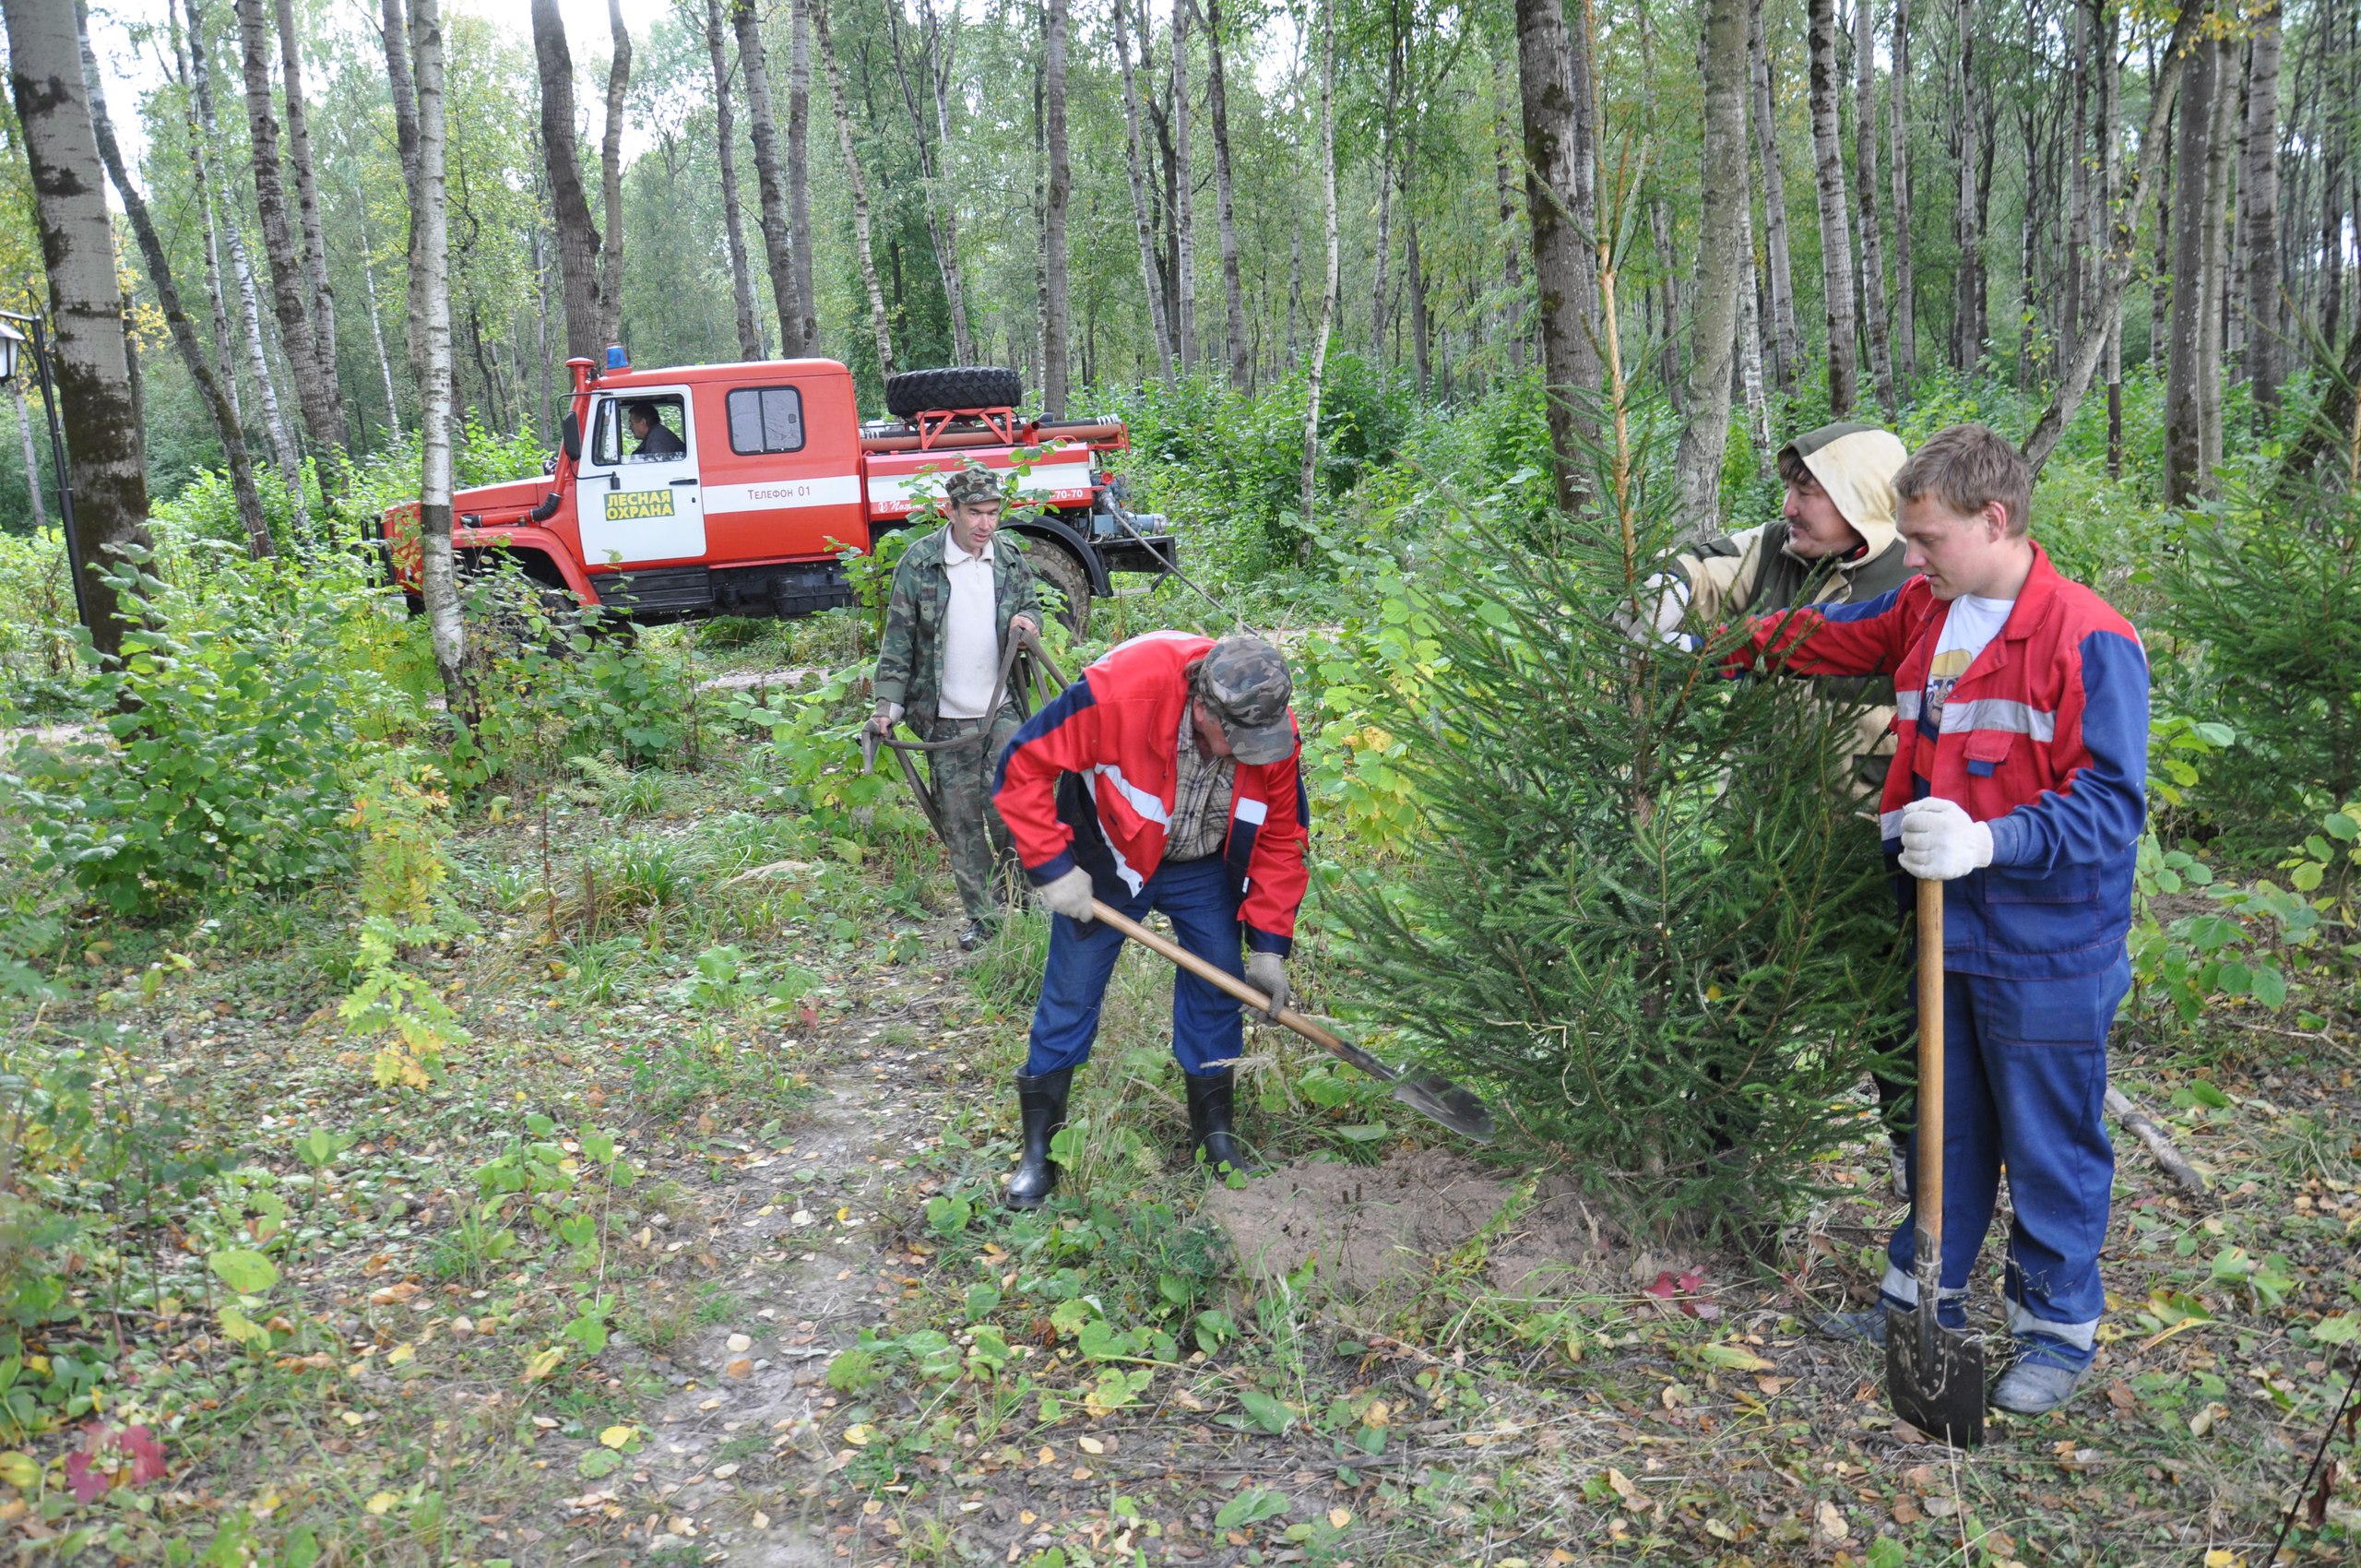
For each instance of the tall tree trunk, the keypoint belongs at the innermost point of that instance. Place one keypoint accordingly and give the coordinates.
(1380, 306)
(1969, 324)
(167, 294)
(33, 489)
(1185, 222)
(734, 217)
(2265, 360)
(2221, 150)
(1151, 281)
(1512, 315)
(315, 389)
(610, 176)
(1750, 342)
(1054, 322)
(2110, 145)
(1308, 489)
(878, 322)
(778, 238)
(799, 169)
(1906, 284)
(1722, 226)
(1421, 328)
(1865, 161)
(1233, 293)
(1835, 239)
(2184, 396)
(1788, 357)
(225, 362)
(393, 31)
(2077, 183)
(106, 458)
(1561, 199)
(307, 199)
(942, 207)
(2121, 250)
(577, 235)
(438, 574)
(376, 316)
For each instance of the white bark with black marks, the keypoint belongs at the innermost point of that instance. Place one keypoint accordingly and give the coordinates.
(733, 218)
(1059, 190)
(611, 178)
(1787, 341)
(880, 324)
(1722, 226)
(1151, 279)
(438, 574)
(778, 237)
(1835, 226)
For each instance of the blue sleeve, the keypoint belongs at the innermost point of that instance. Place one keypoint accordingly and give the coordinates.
(1867, 609)
(2098, 813)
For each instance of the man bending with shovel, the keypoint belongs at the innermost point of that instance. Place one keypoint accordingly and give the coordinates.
(2017, 794)
(1166, 778)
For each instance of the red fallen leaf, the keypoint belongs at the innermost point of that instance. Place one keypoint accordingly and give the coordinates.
(809, 1015)
(1670, 1286)
(109, 1458)
(1665, 1287)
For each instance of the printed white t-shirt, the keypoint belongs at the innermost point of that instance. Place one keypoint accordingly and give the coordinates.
(1974, 622)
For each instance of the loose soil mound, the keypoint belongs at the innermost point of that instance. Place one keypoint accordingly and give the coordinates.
(1386, 1231)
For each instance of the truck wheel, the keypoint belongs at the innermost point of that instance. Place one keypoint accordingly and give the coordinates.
(953, 387)
(1057, 568)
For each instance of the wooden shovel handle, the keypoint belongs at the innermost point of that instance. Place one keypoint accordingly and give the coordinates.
(1229, 984)
(1930, 1065)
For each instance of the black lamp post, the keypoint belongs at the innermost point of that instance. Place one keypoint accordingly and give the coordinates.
(11, 344)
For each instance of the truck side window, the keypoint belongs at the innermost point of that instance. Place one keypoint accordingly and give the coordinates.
(620, 436)
(765, 419)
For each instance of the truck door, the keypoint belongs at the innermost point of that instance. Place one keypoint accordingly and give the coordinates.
(639, 500)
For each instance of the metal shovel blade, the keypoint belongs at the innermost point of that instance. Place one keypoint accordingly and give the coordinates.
(1439, 1099)
(1934, 1376)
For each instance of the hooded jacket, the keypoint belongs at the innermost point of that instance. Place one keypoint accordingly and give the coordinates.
(1753, 572)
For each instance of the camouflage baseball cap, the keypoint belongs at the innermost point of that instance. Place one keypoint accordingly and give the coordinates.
(970, 486)
(1244, 681)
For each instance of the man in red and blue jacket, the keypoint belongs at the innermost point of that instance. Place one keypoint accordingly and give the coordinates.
(2019, 779)
(1164, 778)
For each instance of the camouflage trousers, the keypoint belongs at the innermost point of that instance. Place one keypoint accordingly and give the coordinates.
(972, 831)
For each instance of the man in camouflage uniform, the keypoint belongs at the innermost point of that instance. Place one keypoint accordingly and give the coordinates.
(956, 595)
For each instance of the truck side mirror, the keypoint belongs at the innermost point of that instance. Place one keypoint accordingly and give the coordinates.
(570, 436)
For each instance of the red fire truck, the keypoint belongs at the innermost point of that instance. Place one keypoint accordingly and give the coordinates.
(733, 489)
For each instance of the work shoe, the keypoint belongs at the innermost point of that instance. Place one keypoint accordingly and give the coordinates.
(974, 935)
(1866, 1328)
(2035, 1385)
(1041, 1101)
(1211, 1129)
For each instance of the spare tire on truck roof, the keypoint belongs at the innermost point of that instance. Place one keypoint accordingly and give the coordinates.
(953, 387)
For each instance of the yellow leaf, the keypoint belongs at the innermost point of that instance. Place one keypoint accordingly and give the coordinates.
(1090, 1446)
(615, 1437)
(1737, 1360)
(381, 1504)
(860, 1434)
(541, 1365)
(1832, 1521)
(844, 1214)
(1339, 1517)
(399, 1354)
(20, 1470)
(1622, 1483)
(2222, 1558)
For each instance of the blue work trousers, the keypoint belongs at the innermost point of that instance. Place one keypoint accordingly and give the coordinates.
(2024, 1087)
(1206, 1026)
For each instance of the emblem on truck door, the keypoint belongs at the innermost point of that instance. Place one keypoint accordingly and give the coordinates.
(632, 505)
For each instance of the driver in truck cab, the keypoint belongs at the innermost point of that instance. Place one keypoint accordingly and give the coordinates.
(655, 440)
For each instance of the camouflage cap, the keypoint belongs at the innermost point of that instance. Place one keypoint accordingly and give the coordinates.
(1244, 680)
(970, 486)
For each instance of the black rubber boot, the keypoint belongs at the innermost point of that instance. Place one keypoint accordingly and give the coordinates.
(1211, 1129)
(1042, 1102)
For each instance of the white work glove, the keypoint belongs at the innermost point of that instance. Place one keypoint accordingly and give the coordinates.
(1663, 604)
(1940, 843)
(1267, 972)
(1068, 895)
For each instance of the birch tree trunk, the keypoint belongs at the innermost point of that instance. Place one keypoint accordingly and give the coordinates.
(1787, 356)
(106, 458)
(1835, 239)
(1969, 326)
(939, 52)
(1865, 166)
(799, 169)
(1511, 239)
(1560, 196)
(2265, 359)
(1721, 223)
(1749, 344)
(733, 218)
(1308, 491)
(942, 205)
(307, 199)
(225, 362)
(2184, 396)
(1906, 285)
(1185, 222)
(315, 390)
(610, 177)
(2110, 146)
(376, 315)
(33, 494)
(577, 235)
(167, 294)
(1233, 293)
(438, 576)
(2074, 282)
(393, 29)
(2221, 149)
(1150, 278)
(778, 237)
(879, 324)
(1053, 210)
(1379, 304)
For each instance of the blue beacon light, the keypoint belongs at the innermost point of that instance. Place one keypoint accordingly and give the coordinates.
(616, 358)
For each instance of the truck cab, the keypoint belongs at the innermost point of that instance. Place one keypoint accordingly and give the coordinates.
(733, 490)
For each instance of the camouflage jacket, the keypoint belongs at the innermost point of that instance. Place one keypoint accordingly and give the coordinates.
(909, 656)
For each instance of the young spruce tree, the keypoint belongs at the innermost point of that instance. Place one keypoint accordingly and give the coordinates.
(1645, 919)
